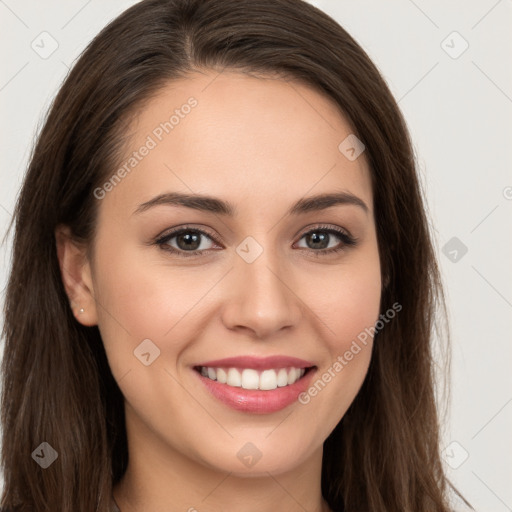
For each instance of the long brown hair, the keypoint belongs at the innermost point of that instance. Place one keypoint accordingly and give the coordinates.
(57, 384)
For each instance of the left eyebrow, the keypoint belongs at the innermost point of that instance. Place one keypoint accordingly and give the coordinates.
(324, 201)
(221, 207)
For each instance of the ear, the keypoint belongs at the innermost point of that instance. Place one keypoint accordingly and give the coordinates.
(76, 276)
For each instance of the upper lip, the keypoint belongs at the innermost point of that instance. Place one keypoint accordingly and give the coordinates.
(263, 363)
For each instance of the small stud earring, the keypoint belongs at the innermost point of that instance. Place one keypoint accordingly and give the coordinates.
(81, 310)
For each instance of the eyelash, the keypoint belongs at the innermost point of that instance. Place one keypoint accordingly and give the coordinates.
(347, 241)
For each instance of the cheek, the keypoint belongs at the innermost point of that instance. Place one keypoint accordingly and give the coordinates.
(355, 309)
(347, 299)
(349, 311)
(139, 300)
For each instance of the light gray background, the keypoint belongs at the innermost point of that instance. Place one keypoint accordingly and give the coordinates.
(459, 114)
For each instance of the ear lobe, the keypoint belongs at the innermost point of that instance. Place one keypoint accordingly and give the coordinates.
(76, 276)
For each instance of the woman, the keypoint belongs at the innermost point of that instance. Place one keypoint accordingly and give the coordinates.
(223, 284)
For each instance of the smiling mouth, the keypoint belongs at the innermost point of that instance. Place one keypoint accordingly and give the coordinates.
(249, 378)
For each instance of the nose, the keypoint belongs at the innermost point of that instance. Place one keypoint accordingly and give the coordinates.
(261, 297)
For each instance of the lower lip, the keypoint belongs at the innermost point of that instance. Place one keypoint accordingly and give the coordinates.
(255, 400)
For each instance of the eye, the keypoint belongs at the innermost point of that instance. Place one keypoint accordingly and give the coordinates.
(186, 241)
(319, 240)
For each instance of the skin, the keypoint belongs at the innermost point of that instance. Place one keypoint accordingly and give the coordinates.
(261, 144)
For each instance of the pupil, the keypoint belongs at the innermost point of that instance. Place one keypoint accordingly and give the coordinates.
(319, 240)
(190, 240)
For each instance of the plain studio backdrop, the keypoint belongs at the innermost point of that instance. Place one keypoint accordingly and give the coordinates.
(449, 67)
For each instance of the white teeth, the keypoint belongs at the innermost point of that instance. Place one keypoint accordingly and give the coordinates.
(293, 374)
(222, 376)
(253, 379)
(234, 378)
(282, 377)
(268, 379)
(250, 379)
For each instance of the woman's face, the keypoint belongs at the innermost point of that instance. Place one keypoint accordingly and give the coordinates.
(258, 280)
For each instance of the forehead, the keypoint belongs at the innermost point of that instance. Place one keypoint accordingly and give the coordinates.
(232, 135)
